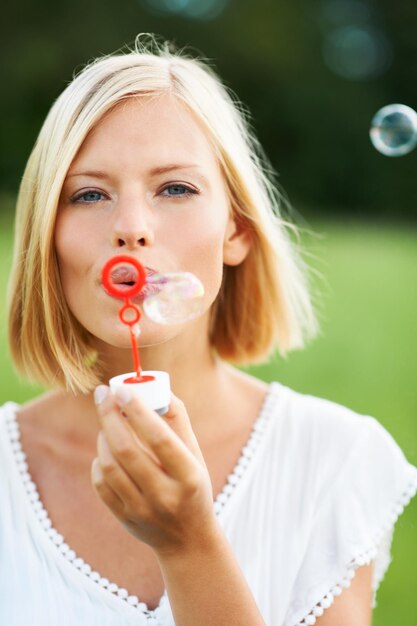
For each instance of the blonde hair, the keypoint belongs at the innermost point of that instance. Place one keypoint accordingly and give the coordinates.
(264, 303)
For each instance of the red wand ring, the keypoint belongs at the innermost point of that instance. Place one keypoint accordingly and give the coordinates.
(126, 295)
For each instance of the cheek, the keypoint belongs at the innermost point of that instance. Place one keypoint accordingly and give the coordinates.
(66, 251)
(201, 248)
(73, 252)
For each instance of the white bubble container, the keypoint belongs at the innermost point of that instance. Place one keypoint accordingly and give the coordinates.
(155, 393)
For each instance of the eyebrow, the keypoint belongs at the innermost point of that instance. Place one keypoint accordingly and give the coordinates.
(163, 169)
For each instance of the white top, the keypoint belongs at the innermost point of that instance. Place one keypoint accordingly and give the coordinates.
(314, 495)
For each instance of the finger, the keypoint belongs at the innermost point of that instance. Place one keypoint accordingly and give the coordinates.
(114, 474)
(128, 466)
(105, 402)
(106, 406)
(170, 450)
(176, 417)
(104, 491)
(178, 420)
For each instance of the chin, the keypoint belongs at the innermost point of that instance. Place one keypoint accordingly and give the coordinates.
(158, 335)
(151, 335)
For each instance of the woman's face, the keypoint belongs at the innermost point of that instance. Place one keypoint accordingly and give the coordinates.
(145, 183)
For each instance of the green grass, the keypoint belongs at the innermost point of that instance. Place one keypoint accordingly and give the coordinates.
(10, 385)
(364, 358)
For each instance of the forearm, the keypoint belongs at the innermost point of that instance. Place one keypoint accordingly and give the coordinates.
(206, 587)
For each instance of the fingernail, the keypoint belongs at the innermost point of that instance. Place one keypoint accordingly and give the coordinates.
(100, 393)
(96, 472)
(123, 394)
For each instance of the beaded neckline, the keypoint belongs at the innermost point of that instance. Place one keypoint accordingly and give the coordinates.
(244, 461)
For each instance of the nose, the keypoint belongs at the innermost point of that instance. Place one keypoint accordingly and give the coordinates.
(132, 228)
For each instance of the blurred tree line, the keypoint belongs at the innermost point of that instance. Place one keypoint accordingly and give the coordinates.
(312, 72)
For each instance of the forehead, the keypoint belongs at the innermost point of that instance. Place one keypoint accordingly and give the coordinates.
(148, 129)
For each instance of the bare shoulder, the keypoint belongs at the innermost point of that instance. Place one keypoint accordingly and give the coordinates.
(55, 423)
(36, 405)
(36, 413)
(354, 605)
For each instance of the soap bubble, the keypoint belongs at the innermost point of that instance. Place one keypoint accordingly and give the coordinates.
(173, 298)
(393, 130)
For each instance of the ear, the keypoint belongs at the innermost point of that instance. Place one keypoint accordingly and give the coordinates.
(237, 242)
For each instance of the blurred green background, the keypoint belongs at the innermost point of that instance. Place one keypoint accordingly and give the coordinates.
(312, 73)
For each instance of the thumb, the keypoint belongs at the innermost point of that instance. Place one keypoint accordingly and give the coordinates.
(178, 420)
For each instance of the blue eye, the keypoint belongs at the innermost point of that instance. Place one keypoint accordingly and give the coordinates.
(88, 197)
(177, 190)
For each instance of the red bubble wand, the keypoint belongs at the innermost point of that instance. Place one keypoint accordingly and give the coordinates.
(129, 307)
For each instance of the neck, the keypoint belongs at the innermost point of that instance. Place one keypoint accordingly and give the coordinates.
(197, 375)
(218, 398)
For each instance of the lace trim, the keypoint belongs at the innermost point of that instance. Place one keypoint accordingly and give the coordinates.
(364, 558)
(153, 615)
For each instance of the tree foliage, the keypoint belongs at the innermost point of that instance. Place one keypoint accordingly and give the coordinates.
(312, 122)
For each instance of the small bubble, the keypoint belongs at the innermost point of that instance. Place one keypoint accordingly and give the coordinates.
(393, 130)
(136, 330)
(177, 299)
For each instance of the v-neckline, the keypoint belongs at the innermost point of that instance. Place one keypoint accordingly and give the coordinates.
(244, 462)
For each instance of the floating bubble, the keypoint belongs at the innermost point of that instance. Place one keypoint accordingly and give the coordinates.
(393, 130)
(176, 298)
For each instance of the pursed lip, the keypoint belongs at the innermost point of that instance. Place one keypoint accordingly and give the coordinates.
(146, 291)
(127, 274)
(124, 274)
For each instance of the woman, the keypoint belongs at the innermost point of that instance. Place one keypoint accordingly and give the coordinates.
(107, 512)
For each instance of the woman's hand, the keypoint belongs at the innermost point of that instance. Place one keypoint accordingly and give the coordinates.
(151, 474)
